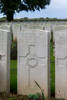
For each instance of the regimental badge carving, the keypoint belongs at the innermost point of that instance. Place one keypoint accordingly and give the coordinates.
(32, 62)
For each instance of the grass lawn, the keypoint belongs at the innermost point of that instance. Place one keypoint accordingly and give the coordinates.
(13, 76)
(52, 71)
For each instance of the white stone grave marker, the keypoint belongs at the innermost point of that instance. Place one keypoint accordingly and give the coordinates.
(61, 63)
(5, 39)
(33, 61)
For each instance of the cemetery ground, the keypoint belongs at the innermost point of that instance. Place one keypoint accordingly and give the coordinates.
(13, 75)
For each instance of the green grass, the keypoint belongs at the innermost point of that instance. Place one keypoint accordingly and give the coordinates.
(52, 71)
(13, 76)
(12, 99)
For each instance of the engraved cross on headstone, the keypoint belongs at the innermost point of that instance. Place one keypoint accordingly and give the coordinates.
(31, 59)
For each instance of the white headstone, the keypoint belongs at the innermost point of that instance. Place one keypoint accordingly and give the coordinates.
(61, 63)
(5, 27)
(33, 62)
(5, 61)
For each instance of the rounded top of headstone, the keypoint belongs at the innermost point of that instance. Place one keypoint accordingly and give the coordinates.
(60, 27)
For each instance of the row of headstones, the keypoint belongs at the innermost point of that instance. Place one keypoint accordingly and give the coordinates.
(37, 25)
(17, 26)
(34, 61)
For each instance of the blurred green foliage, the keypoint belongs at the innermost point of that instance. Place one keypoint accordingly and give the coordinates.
(14, 50)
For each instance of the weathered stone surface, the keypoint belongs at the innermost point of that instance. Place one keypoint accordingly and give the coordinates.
(5, 27)
(15, 30)
(61, 63)
(5, 39)
(33, 62)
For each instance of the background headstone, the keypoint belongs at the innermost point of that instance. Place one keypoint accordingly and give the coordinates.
(15, 30)
(33, 61)
(60, 35)
(5, 42)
